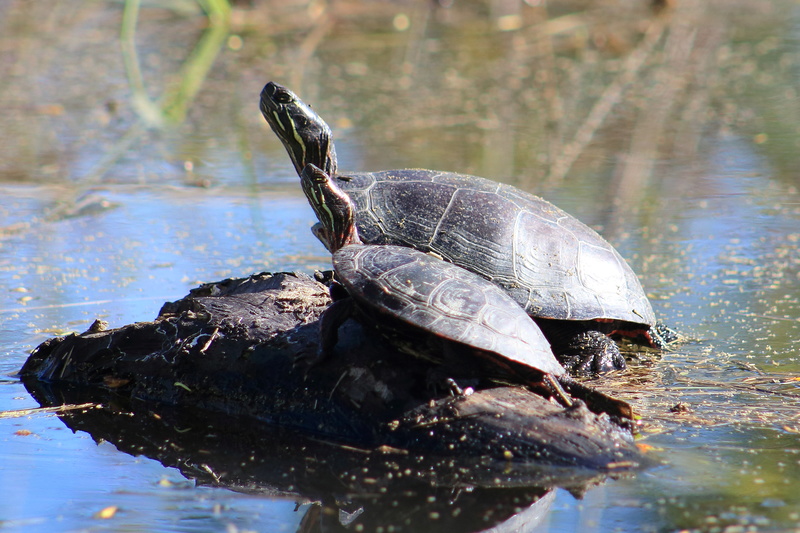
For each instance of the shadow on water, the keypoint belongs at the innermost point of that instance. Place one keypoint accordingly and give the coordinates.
(669, 126)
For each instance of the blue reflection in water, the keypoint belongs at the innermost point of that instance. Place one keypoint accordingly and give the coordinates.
(735, 228)
(154, 247)
(121, 265)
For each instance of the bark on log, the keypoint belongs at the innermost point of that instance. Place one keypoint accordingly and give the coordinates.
(231, 347)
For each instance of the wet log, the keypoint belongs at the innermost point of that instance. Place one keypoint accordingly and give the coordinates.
(231, 347)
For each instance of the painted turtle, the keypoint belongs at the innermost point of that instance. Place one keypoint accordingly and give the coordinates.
(564, 274)
(434, 309)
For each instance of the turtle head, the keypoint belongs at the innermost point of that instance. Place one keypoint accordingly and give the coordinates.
(304, 135)
(334, 208)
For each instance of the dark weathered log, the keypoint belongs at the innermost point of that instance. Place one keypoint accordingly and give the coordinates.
(231, 347)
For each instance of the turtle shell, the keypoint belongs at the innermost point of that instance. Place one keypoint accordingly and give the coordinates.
(403, 284)
(549, 262)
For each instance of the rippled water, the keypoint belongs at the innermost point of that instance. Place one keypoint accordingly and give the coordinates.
(693, 173)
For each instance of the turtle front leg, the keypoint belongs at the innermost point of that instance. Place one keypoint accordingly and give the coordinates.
(330, 321)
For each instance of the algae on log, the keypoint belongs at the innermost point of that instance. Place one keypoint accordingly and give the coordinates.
(231, 347)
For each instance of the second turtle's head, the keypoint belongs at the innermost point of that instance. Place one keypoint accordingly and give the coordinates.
(304, 134)
(334, 208)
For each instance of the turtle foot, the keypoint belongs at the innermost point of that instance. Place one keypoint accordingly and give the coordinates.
(591, 352)
(457, 391)
(439, 381)
(662, 335)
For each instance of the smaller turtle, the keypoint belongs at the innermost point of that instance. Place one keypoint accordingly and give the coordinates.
(431, 308)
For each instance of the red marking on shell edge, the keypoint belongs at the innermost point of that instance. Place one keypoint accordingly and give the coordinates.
(635, 333)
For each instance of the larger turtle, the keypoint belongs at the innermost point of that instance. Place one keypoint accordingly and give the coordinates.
(435, 310)
(564, 274)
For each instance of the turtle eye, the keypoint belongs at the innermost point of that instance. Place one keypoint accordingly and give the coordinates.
(282, 96)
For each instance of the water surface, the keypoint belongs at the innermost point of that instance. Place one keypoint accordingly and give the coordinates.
(674, 133)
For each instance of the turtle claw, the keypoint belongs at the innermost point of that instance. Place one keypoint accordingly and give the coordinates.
(326, 277)
(457, 391)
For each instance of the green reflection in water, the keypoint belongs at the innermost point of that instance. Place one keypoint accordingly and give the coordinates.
(173, 104)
